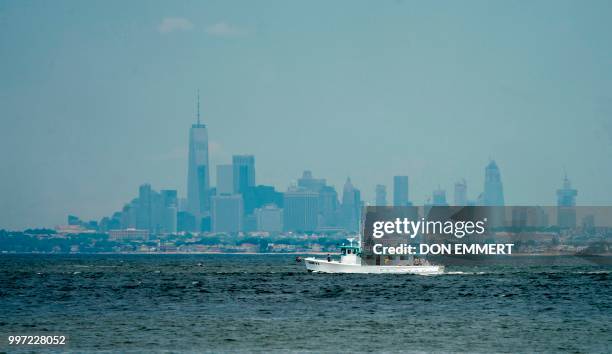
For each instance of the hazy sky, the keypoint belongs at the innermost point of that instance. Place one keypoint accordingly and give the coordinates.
(96, 97)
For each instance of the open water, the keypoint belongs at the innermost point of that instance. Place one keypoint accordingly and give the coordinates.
(268, 303)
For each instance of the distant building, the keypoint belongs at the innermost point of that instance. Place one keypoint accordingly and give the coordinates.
(588, 222)
(185, 222)
(493, 196)
(493, 189)
(249, 223)
(169, 197)
(128, 235)
(169, 222)
(328, 198)
(198, 183)
(523, 217)
(269, 218)
(74, 220)
(351, 207)
(381, 195)
(439, 197)
(301, 210)
(71, 230)
(227, 213)
(566, 195)
(328, 207)
(461, 193)
(128, 215)
(89, 225)
(205, 224)
(400, 191)
(152, 210)
(256, 197)
(182, 204)
(309, 183)
(144, 208)
(111, 223)
(243, 172)
(225, 179)
(566, 205)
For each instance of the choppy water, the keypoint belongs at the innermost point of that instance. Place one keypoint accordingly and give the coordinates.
(233, 303)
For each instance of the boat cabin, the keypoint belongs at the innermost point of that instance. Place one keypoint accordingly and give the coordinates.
(350, 255)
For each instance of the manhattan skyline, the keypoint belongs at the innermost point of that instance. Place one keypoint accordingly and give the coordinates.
(93, 108)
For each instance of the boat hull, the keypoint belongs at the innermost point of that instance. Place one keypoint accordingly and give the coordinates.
(323, 266)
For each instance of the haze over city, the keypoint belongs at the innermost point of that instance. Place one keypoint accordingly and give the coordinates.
(97, 100)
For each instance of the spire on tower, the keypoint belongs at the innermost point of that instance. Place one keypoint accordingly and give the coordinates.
(198, 107)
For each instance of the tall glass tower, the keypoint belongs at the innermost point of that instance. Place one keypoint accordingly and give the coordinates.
(244, 172)
(198, 183)
(493, 189)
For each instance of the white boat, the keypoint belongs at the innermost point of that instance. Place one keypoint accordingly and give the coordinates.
(350, 262)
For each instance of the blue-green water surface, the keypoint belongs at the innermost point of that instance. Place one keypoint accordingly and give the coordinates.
(268, 303)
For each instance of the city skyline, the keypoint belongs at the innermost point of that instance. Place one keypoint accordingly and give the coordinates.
(198, 202)
(237, 204)
(94, 104)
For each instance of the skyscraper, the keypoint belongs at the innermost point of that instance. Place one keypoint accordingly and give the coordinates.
(301, 210)
(328, 198)
(381, 195)
(400, 191)
(169, 213)
(225, 179)
(328, 206)
(461, 193)
(351, 206)
(493, 189)
(244, 172)
(566, 203)
(566, 196)
(185, 221)
(144, 207)
(198, 183)
(227, 213)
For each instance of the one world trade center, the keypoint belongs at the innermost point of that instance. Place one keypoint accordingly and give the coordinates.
(198, 183)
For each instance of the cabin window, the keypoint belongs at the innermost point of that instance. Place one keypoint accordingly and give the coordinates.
(343, 251)
(349, 251)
